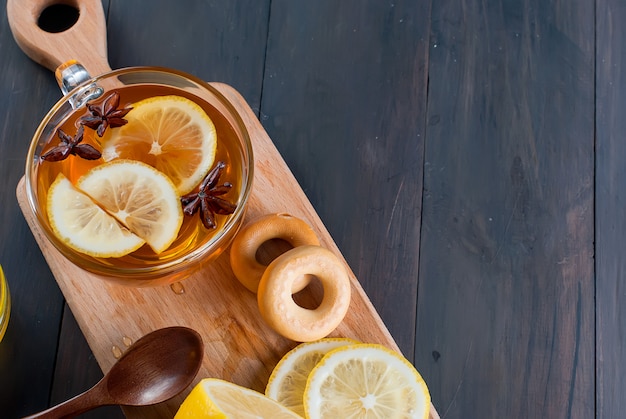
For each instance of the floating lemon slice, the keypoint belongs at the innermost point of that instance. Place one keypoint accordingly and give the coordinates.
(363, 381)
(140, 197)
(172, 134)
(288, 379)
(214, 398)
(84, 226)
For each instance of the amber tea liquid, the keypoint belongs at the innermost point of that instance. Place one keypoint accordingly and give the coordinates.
(192, 233)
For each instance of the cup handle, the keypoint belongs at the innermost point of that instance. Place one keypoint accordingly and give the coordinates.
(85, 41)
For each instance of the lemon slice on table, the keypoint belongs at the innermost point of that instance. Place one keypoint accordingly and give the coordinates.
(140, 197)
(84, 226)
(288, 379)
(214, 398)
(172, 134)
(363, 381)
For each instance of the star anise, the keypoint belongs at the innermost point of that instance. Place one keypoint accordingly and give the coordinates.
(71, 145)
(106, 114)
(208, 200)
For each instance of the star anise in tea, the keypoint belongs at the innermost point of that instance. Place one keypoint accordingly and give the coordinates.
(208, 200)
(106, 114)
(71, 145)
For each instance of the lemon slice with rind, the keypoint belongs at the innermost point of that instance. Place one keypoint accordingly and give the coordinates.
(288, 379)
(215, 398)
(140, 197)
(171, 133)
(84, 226)
(363, 381)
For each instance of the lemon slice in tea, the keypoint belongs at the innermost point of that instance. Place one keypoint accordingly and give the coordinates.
(365, 381)
(140, 197)
(214, 398)
(84, 226)
(172, 134)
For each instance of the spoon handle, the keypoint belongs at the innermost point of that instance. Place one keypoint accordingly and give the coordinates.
(88, 400)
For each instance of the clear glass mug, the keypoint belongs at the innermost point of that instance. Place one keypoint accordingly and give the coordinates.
(54, 50)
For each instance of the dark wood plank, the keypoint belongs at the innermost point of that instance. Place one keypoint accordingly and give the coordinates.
(610, 220)
(506, 291)
(27, 352)
(213, 40)
(344, 101)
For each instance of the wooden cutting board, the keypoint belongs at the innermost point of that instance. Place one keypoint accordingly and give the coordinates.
(239, 346)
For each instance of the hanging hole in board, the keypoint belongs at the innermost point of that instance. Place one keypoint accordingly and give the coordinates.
(58, 17)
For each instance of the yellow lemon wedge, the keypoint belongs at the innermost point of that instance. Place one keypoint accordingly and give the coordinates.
(288, 379)
(5, 304)
(84, 226)
(219, 399)
(172, 134)
(140, 197)
(365, 381)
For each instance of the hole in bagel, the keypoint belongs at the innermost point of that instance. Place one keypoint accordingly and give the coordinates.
(58, 17)
(271, 249)
(311, 296)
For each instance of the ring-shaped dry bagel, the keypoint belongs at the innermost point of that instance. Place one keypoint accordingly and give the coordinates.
(275, 299)
(243, 260)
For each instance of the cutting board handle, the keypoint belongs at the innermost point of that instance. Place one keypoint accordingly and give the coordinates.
(84, 41)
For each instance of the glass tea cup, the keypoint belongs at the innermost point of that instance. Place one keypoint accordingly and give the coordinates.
(195, 245)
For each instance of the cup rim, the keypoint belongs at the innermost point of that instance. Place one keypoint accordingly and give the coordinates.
(170, 266)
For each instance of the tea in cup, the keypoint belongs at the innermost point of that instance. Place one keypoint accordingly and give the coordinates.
(140, 175)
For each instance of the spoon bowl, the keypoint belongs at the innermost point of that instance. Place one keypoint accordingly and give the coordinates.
(154, 369)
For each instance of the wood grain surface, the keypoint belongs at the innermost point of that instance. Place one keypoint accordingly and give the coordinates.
(610, 220)
(508, 199)
(465, 156)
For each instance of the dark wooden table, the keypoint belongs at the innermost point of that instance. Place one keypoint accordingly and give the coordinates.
(468, 157)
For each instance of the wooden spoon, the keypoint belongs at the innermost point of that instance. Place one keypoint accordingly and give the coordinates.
(154, 369)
